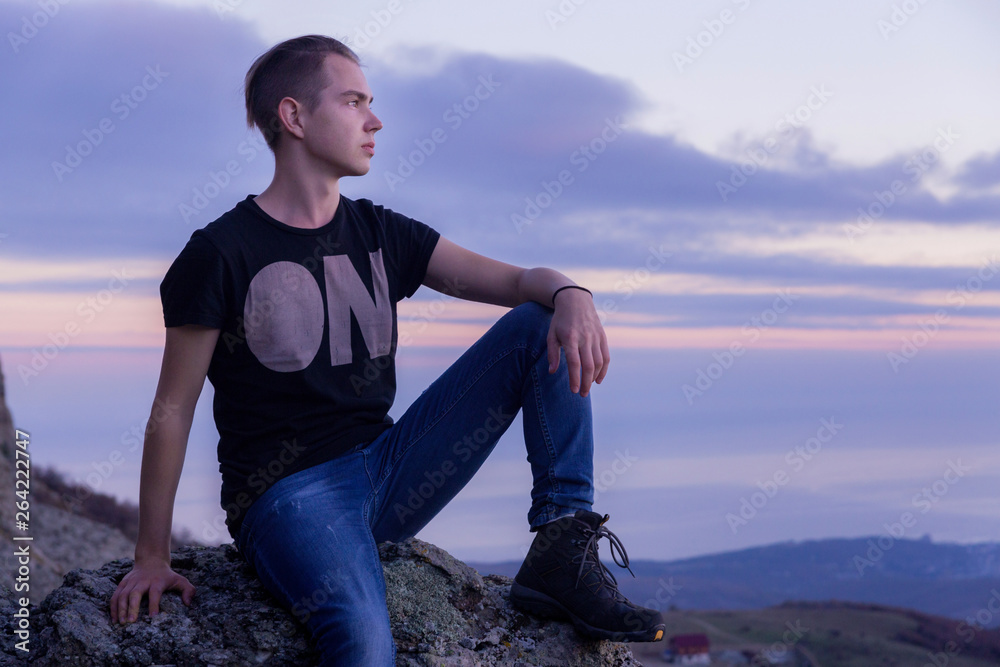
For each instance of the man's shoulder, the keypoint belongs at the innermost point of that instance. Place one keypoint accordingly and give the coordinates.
(369, 211)
(231, 225)
(239, 214)
(363, 207)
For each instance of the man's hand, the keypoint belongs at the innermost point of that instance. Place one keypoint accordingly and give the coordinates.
(152, 578)
(576, 328)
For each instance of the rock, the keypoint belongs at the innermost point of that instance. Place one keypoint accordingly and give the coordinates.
(443, 613)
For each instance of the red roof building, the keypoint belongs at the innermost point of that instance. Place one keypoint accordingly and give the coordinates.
(689, 649)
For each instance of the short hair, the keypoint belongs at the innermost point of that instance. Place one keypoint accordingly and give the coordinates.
(293, 68)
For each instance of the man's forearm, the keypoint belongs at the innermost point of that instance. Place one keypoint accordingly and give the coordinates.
(162, 462)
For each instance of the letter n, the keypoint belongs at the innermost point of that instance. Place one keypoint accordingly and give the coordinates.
(345, 294)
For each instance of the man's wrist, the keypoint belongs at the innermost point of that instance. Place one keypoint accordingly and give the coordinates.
(570, 287)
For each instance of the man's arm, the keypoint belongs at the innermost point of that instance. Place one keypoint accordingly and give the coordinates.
(576, 327)
(186, 356)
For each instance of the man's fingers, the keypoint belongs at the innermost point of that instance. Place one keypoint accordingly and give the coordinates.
(573, 367)
(134, 602)
(126, 603)
(187, 592)
(586, 369)
(154, 599)
(121, 605)
(605, 358)
(553, 350)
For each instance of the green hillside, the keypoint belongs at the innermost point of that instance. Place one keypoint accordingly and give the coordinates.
(837, 635)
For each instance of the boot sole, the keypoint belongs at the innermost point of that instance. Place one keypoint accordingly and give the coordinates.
(540, 604)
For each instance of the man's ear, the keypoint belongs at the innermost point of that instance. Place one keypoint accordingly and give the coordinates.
(289, 112)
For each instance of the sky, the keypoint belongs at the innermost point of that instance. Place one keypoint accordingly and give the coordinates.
(787, 212)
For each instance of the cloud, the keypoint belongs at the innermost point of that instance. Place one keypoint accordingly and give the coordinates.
(120, 108)
(473, 143)
(532, 161)
(980, 172)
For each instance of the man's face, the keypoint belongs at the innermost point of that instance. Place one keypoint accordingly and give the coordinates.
(340, 131)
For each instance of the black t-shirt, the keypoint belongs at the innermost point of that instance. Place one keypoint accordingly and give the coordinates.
(304, 367)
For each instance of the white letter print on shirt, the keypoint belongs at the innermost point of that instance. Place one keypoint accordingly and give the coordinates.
(283, 317)
(345, 292)
(283, 313)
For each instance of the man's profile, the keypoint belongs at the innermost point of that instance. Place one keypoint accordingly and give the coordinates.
(287, 304)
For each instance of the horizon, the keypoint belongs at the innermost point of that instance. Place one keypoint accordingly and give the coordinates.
(883, 541)
(792, 241)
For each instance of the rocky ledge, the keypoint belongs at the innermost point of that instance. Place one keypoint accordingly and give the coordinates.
(443, 614)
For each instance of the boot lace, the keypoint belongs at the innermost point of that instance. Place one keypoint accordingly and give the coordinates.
(590, 555)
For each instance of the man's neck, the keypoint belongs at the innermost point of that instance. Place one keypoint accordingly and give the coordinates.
(307, 203)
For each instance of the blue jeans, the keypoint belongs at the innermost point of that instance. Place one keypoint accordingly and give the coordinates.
(312, 536)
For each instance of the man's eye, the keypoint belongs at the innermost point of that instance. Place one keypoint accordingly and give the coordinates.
(353, 103)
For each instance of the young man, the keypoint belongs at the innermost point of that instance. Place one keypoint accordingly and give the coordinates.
(288, 304)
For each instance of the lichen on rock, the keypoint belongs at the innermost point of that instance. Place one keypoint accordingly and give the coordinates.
(443, 613)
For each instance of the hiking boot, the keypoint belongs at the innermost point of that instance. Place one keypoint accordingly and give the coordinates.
(563, 577)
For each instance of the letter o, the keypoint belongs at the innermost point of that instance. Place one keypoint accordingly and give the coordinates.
(290, 339)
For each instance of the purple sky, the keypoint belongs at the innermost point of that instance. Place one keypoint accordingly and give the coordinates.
(701, 233)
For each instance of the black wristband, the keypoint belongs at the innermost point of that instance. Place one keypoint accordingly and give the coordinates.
(570, 287)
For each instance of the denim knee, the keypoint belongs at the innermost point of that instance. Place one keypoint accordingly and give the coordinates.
(529, 322)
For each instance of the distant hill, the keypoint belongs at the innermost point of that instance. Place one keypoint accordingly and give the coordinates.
(951, 580)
